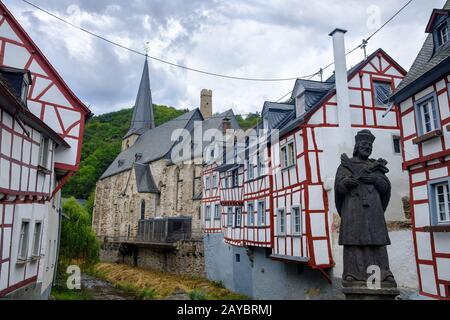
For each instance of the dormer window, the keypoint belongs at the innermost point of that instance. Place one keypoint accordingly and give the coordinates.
(120, 163)
(25, 86)
(442, 34)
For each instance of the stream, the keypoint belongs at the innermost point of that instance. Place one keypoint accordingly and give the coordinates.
(102, 290)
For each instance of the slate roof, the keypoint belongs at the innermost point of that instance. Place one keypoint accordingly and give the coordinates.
(156, 143)
(426, 61)
(144, 179)
(274, 113)
(142, 119)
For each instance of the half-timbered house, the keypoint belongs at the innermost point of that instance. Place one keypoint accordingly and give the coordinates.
(424, 100)
(40, 142)
(286, 219)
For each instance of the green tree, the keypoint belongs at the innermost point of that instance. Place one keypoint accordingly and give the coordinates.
(78, 240)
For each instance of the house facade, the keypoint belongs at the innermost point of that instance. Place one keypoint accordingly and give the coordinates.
(279, 241)
(41, 134)
(424, 100)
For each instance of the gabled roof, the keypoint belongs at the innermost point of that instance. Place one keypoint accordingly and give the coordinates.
(313, 91)
(331, 85)
(430, 64)
(142, 119)
(48, 65)
(144, 179)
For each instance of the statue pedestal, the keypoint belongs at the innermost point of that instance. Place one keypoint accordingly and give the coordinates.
(359, 291)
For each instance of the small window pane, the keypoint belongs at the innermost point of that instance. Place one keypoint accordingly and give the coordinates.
(238, 217)
(281, 222)
(250, 216)
(396, 142)
(382, 92)
(230, 217)
(261, 213)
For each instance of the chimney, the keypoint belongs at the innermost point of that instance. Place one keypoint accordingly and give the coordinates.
(206, 103)
(226, 125)
(342, 92)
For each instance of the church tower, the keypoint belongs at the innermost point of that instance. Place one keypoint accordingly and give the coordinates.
(142, 119)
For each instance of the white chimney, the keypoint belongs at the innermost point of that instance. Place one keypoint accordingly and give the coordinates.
(342, 92)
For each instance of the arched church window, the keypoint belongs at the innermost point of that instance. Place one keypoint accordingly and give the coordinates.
(142, 209)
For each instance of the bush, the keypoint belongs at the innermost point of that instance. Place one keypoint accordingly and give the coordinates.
(197, 295)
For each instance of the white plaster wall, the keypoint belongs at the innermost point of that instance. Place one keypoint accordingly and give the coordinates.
(401, 259)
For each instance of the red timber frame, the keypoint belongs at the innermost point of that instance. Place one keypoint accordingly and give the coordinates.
(54, 82)
(305, 178)
(423, 169)
(258, 189)
(211, 198)
(232, 197)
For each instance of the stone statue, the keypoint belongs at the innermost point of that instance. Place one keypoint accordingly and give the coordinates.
(362, 193)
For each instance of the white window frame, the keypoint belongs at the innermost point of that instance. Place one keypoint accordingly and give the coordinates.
(387, 82)
(230, 217)
(250, 214)
(261, 214)
(443, 37)
(238, 219)
(208, 213)
(214, 181)
(288, 155)
(294, 222)
(24, 236)
(44, 150)
(250, 170)
(207, 183)
(281, 217)
(216, 212)
(427, 102)
(37, 239)
(446, 195)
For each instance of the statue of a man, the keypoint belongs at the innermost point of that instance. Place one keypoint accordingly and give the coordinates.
(362, 193)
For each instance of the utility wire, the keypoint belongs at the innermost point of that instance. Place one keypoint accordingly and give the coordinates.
(159, 59)
(364, 43)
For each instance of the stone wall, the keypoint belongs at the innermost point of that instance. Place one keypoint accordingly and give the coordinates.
(117, 207)
(185, 258)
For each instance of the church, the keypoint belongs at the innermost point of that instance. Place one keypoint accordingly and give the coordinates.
(144, 184)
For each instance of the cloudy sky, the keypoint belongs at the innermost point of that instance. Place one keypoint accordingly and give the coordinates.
(252, 38)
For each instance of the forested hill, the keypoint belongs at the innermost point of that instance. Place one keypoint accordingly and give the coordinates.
(102, 143)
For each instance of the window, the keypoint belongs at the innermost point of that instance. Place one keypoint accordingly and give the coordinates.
(225, 183)
(281, 222)
(439, 192)
(296, 221)
(249, 170)
(23, 240)
(427, 115)
(207, 213)
(235, 178)
(442, 198)
(216, 212)
(442, 34)
(238, 219)
(238, 257)
(260, 166)
(230, 217)
(24, 93)
(207, 183)
(142, 209)
(288, 155)
(250, 216)
(214, 181)
(37, 239)
(44, 149)
(261, 213)
(396, 144)
(382, 91)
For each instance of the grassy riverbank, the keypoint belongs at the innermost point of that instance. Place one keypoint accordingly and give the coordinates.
(150, 284)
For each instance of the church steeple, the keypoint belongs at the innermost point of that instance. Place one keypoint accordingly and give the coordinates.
(142, 119)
